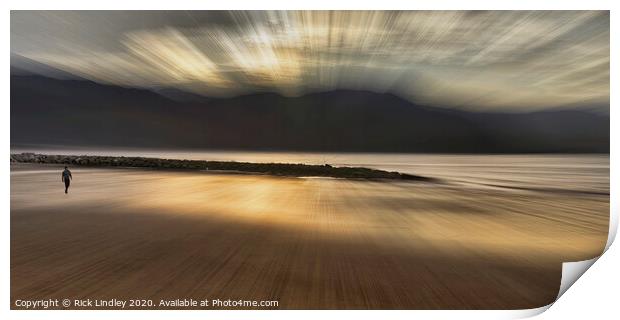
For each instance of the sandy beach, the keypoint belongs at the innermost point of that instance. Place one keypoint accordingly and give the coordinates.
(308, 243)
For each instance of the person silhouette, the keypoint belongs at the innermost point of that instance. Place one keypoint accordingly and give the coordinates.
(66, 178)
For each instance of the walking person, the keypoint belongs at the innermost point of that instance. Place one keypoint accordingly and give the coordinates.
(66, 178)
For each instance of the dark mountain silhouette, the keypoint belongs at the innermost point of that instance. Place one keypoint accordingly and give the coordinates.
(21, 65)
(180, 95)
(85, 113)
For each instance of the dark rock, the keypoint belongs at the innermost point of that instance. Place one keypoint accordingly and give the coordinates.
(279, 169)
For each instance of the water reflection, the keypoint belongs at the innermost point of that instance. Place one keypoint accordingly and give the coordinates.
(553, 171)
(151, 233)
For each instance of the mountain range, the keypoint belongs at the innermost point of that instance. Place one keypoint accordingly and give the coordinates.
(78, 112)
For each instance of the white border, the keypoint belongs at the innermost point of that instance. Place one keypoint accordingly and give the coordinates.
(600, 291)
(312, 5)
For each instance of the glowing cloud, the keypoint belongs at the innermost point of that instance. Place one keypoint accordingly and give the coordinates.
(517, 60)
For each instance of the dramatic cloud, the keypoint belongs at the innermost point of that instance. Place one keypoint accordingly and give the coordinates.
(514, 60)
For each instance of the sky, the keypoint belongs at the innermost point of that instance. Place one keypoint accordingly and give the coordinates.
(480, 60)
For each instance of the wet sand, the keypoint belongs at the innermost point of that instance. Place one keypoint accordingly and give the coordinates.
(309, 243)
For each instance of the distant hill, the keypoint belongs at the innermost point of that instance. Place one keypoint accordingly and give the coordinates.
(21, 65)
(85, 113)
(180, 95)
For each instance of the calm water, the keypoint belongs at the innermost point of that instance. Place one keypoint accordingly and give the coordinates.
(576, 173)
(160, 233)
